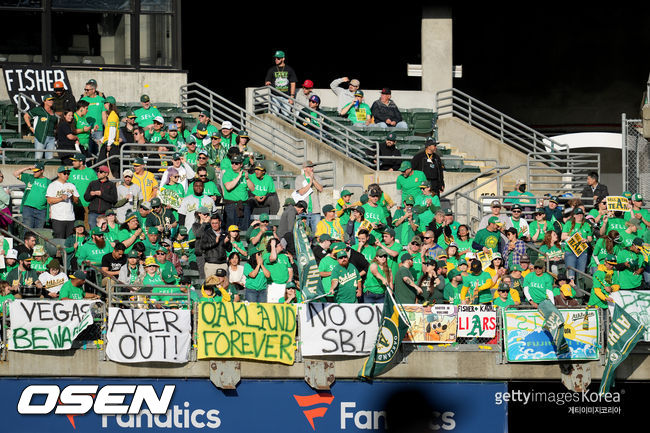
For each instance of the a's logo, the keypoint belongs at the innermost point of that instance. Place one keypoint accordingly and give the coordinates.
(313, 400)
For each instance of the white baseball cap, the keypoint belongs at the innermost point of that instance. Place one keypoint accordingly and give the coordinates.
(226, 125)
(159, 119)
(12, 254)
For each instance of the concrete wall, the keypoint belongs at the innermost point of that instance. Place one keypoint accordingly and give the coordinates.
(126, 86)
(418, 365)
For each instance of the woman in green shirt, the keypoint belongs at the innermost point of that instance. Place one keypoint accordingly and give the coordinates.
(539, 227)
(74, 242)
(550, 248)
(609, 245)
(379, 278)
(576, 224)
(464, 240)
(256, 277)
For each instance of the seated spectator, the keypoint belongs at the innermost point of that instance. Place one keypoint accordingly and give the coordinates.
(357, 111)
(504, 300)
(204, 118)
(388, 148)
(23, 279)
(146, 114)
(291, 295)
(132, 271)
(385, 112)
(126, 131)
(304, 94)
(53, 279)
(311, 117)
(74, 288)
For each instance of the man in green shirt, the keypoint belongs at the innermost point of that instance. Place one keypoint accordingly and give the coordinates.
(34, 203)
(346, 281)
(147, 113)
(489, 237)
(631, 264)
(409, 181)
(538, 285)
(279, 265)
(357, 111)
(392, 247)
(96, 116)
(74, 288)
(406, 290)
(263, 192)
(24, 279)
(93, 251)
(604, 282)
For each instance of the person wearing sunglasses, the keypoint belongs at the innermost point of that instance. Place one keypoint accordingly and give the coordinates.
(61, 195)
(97, 114)
(63, 99)
(202, 161)
(204, 118)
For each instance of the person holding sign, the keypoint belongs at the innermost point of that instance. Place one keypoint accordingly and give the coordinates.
(575, 255)
(42, 120)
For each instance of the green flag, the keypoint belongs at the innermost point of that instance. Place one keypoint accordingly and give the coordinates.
(391, 333)
(624, 333)
(554, 323)
(310, 282)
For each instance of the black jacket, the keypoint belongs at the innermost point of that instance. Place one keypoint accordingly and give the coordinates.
(386, 164)
(432, 167)
(381, 111)
(214, 249)
(100, 204)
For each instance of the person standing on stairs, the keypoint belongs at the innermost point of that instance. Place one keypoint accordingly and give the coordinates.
(429, 162)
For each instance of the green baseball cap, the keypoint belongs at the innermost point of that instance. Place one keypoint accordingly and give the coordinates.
(153, 231)
(341, 254)
(409, 200)
(111, 100)
(345, 192)
(637, 197)
(279, 54)
(138, 161)
(493, 220)
(96, 231)
(62, 169)
(627, 194)
(264, 217)
(405, 165)
(328, 208)
(155, 202)
(38, 166)
(145, 98)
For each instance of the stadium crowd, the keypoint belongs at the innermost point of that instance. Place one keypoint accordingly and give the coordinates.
(208, 207)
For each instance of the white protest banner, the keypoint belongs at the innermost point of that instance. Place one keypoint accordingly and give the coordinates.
(338, 329)
(47, 325)
(148, 335)
(477, 321)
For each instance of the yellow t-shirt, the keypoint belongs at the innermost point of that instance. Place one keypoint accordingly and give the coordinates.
(113, 121)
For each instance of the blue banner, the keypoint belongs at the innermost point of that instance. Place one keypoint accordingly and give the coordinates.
(196, 405)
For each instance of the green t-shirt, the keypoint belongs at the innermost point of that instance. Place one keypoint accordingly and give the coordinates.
(360, 114)
(144, 117)
(35, 189)
(404, 232)
(488, 239)
(373, 284)
(346, 290)
(404, 293)
(81, 179)
(452, 294)
(411, 185)
(95, 109)
(602, 279)
(83, 137)
(627, 279)
(279, 269)
(259, 282)
(327, 264)
(71, 292)
(91, 252)
(476, 282)
(210, 189)
(263, 186)
(239, 192)
(538, 285)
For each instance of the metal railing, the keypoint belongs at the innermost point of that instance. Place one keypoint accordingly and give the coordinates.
(573, 170)
(327, 130)
(508, 130)
(195, 98)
